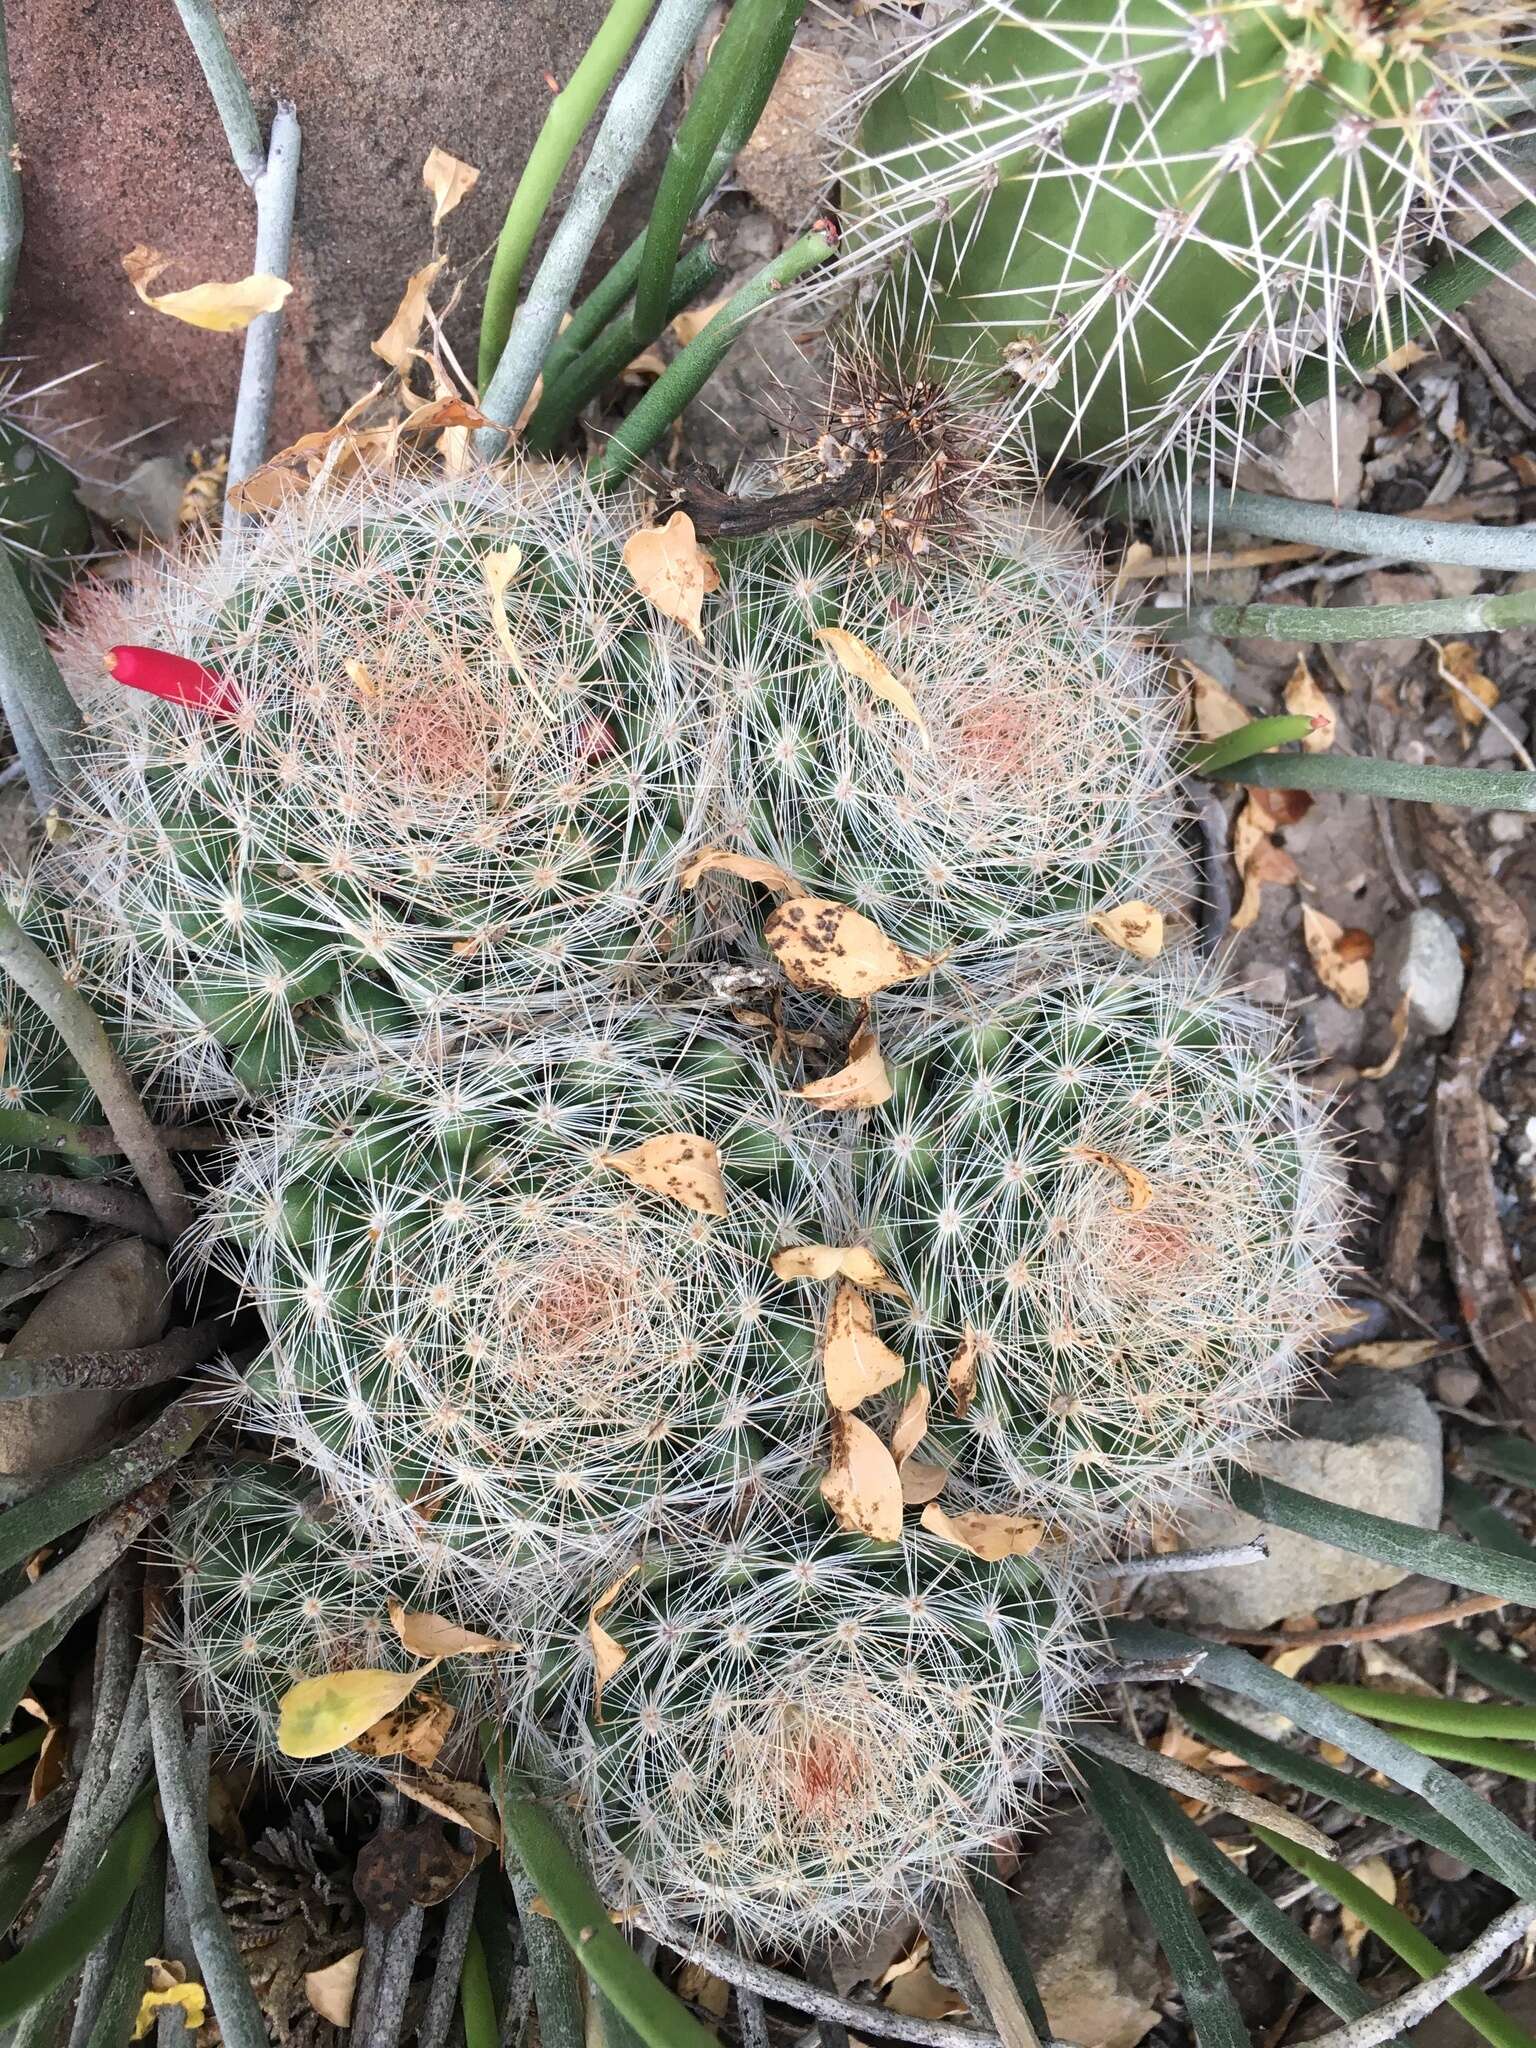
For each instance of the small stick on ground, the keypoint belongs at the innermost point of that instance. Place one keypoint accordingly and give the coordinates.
(1193, 1784)
(124, 1371)
(102, 1545)
(60, 1195)
(1492, 1301)
(83, 1032)
(1361, 1632)
(1183, 1561)
(819, 2004)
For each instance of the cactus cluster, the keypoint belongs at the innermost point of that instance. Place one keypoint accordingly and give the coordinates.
(1134, 214)
(442, 865)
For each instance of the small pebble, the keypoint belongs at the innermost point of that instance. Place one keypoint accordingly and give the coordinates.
(1450, 1869)
(1458, 1386)
(1430, 971)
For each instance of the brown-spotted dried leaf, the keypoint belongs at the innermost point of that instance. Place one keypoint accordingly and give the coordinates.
(1471, 693)
(689, 325)
(856, 659)
(1303, 699)
(320, 1715)
(1258, 860)
(220, 308)
(608, 1654)
(855, 1262)
(1136, 928)
(1377, 1874)
(862, 1487)
(331, 1991)
(397, 344)
(988, 1536)
(672, 572)
(855, 1361)
(1341, 957)
(961, 1378)
(862, 1083)
(448, 179)
(430, 1635)
(747, 867)
(919, 1482)
(416, 1730)
(679, 1164)
(838, 952)
(1390, 1354)
(1138, 1187)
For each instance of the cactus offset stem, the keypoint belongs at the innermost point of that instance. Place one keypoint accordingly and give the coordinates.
(632, 114)
(82, 1031)
(565, 123)
(1503, 548)
(41, 713)
(1478, 789)
(275, 192)
(225, 82)
(11, 214)
(1428, 620)
(686, 376)
(742, 68)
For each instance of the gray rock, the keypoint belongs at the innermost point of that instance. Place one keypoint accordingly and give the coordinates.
(1376, 1447)
(1458, 1386)
(789, 161)
(1296, 458)
(1094, 1958)
(1422, 958)
(115, 1299)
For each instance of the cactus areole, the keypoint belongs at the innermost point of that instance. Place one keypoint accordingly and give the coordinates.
(1135, 210)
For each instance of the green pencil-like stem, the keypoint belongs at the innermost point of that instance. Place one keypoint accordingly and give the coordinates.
(746, 60)
(38, 708)
(1431, 619)
(1450, 1717)
(601, 304)
(688, 373)
(564, 125)
(1477, 789)
(616, 347)
(12, 218)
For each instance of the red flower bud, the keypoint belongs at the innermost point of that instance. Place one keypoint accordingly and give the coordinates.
(173, 677)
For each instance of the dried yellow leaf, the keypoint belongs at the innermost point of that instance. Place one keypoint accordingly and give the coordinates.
(608, 1655)
(1138, 1186)
(747, 867)
(320, 1715)
(920, 1994)
(962, 1371)
(688, 326)
(1472, 695)
(678, 1164)
(699, 1986)
(498, 569)
(1341, 958)
(1215, 710)
(987, 1536)
(1136, 928)
(1289, 1663)
(921, 1482)
(911, 1426)
(672, 572)
(456, 1799)
(1389, 1355)
(827, 947)
(853, 656)
(862, 1486)
(1303, 699)
(192, 1999)
(1258, 860)
(416, 1731)
(448, 180)
(861, 1084)
(221, 308)
(1400, 1017)
(855, 1361)
(429, 1635)
(397, 344)
(331, 1991)
(1376, 1873)
(853, 1262)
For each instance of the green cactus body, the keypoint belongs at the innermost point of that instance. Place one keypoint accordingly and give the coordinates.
(504, 1354)
(1033, 792)
(809, 1730)
(43, 526)
(1136, 211)
(431, 800)
(274, 1591)
(1115, 1204)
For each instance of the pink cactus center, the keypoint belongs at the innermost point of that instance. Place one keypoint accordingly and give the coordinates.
(824, 1777)
(440, 738)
